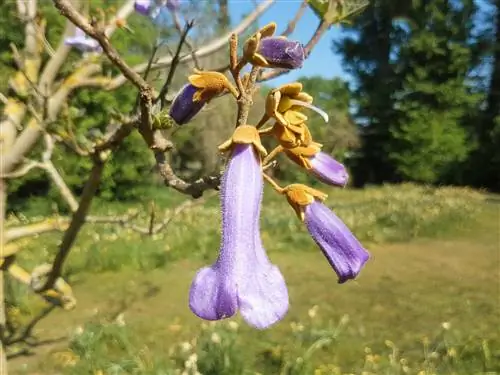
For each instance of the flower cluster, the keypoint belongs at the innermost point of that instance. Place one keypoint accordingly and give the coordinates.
(83, 42)
(155, 10)
(243, 278)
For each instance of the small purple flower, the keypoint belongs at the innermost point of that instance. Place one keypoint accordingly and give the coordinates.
(242, 278)
(328, 170)
(143, 6)
(203, 86)
(83, 42)
(280, 52)
(342, 250)
(173, 5)
(184, 107)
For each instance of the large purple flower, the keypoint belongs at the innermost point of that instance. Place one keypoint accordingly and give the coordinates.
(280, 52)
(83, 42)
(342, 250)
(242, 278)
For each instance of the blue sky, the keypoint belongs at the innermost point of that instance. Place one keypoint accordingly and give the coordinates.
(322, 60)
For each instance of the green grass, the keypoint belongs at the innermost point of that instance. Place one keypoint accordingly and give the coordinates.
(435, 260)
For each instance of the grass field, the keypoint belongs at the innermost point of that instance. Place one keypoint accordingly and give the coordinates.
(428, 302)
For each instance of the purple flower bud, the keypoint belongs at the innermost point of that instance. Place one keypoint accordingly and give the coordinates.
(342, 250)
(143, 6)
(328, 170)
(242, 278)
(83, 42)
(282, 53)
(173, 5)
(184, 107)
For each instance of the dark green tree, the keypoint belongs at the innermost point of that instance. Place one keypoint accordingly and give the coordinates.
(428, 136)
(411, 62)
(483, 167)
(370, 51)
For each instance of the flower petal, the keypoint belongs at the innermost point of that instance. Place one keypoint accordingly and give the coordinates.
(263, 295)
(213, 295)
(342, 250)
(328, 170)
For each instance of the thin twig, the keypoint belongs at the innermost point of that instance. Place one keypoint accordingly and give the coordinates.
(293, 23)
(173, 67)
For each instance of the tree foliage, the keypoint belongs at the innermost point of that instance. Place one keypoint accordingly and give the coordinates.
(423, 117)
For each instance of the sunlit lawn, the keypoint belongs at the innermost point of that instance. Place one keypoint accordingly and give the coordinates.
(435, 260)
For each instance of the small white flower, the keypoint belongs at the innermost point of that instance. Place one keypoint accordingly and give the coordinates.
(185, 347)
(215, 338)
(79, 330)
(313, 311)
(120, 320)
(446, 325)
(233, 326)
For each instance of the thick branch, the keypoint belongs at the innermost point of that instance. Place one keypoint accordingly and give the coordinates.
(77, 221)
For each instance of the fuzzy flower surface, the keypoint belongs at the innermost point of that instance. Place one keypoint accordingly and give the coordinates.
(242, 278)
(319, 164)
(279, 52)
(341, 248)
(328, 170)
(83, 42)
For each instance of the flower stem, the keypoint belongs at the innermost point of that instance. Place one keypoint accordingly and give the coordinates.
(266, 131)
(263, 120)
(235, 65)
(273, 183)
(272, 154)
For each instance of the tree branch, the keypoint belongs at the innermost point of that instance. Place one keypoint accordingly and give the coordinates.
(207, 50)
(68, 10)
(293, 23)
(77, 220)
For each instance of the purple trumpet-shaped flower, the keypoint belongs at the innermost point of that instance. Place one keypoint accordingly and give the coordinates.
(342, 250)
(184, 107)
(242, 278)
(83, 42)
(143, 6)
(280, 52)
(328, 170)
